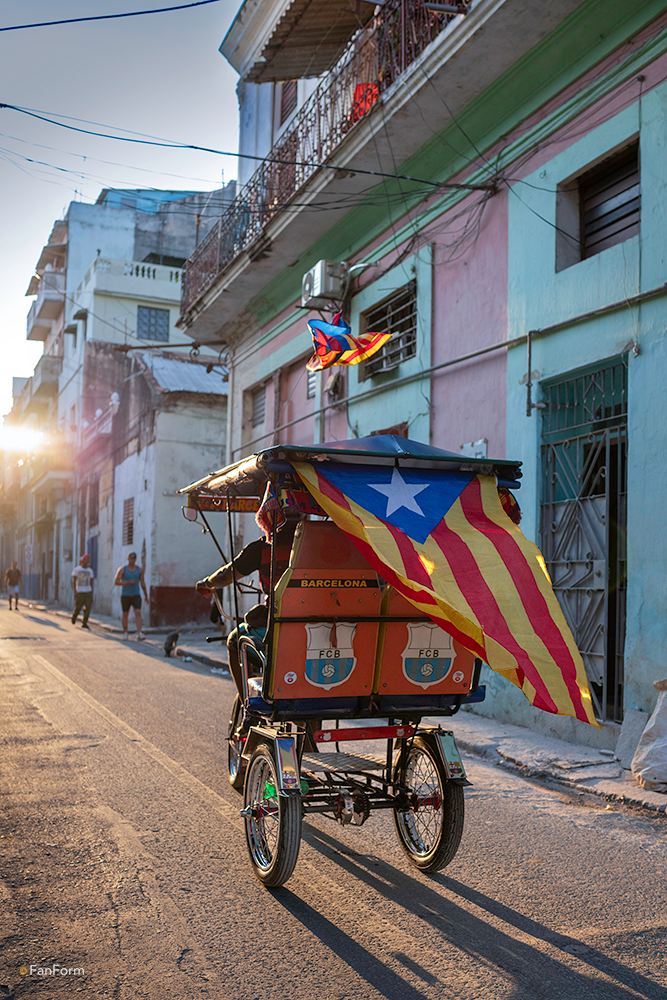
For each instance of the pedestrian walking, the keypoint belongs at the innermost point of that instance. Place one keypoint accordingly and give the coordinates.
(14, 581)
(130, 578)
(82, 585)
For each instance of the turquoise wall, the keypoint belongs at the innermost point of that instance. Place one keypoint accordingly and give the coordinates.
(539, 296)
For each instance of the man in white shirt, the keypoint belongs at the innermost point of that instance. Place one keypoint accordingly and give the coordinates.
(82, 585)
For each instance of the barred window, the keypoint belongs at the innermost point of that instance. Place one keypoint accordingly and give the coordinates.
(397, 315)
(128, 521)
(311, 385)
(152, 324)
(258, 406)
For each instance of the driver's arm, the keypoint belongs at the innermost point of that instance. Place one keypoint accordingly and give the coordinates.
(245, 563)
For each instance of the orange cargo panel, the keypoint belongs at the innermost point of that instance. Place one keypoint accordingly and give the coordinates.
(418, 657)
(328, 579)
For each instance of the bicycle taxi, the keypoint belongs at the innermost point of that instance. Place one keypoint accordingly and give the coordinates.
(344, 644)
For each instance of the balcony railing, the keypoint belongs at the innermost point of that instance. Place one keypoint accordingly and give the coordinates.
(131, 269)
(373, 61)
(47, 306)
(45, 376)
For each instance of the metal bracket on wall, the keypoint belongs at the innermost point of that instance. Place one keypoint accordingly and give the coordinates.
(530, 406)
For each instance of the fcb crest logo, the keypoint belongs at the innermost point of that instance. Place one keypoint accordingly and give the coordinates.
(428, 656)
(330, 657)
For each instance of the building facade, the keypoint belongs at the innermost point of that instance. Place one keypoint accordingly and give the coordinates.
(513, 245)
(116, 437)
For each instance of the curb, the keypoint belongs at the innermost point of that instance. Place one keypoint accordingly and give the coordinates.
(208, 661)
(535, 772)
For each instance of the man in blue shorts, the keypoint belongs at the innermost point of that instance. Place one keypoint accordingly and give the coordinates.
(130, 578)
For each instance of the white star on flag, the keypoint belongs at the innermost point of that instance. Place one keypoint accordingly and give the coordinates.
(400, 494)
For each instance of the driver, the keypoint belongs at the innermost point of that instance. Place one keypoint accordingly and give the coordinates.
(255, 557)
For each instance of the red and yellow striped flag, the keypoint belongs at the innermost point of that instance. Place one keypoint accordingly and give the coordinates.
(335, 345)
(443, 540)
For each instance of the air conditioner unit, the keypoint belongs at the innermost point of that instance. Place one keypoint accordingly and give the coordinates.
(323, 284)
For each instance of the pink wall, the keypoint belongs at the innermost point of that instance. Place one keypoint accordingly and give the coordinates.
(294, 404)
(470, 311)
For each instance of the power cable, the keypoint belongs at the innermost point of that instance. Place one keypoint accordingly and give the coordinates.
(246, 156)
(107, 17)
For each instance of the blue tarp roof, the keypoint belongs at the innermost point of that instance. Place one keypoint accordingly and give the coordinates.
(387, 444)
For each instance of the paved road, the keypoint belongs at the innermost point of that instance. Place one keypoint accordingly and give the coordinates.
(123, 861)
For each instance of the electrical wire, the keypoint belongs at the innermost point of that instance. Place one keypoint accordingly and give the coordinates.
(109, 163)
(335, 199)
(108, 17)
(247, 156)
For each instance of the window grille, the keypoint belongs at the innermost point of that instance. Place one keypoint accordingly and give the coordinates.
(288, 100)
(152, 324)
(396, 315)
(584, 517)
(610, 202)
(258, 406)
(128, 521)
(311, 385)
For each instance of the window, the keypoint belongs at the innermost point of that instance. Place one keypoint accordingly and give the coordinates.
(152, 324)
(288, 100)
(610, 203)
(128, 521)
(93, 502)
(258, 406)
(311, 385)
(396, 315)
(599, 208)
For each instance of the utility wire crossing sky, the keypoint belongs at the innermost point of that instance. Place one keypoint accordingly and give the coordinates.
(107, 17)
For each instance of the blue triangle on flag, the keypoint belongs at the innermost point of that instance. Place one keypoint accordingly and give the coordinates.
(413, 500)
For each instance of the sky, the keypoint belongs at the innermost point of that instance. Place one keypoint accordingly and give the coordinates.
(158, 74)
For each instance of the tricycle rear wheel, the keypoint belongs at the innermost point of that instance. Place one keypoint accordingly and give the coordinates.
(430, 826)
(272, 821)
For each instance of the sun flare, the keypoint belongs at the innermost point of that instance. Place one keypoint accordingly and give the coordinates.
(20, 439)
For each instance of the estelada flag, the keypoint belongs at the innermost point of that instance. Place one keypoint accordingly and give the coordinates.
(334, 344)
(443, 540)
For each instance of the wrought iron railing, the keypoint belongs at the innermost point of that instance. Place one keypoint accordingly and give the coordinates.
(375, 58)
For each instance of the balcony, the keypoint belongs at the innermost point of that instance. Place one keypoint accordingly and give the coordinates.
(45, 377)
(301, 38)
(397, 94)
(375, 60)
(98, 431)
(133, 279)
(47, 306)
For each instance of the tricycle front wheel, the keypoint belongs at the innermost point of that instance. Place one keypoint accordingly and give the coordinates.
(272, 821)
(430, 824)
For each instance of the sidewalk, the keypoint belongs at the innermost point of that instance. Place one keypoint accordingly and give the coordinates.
(111, 624)
(572, 764)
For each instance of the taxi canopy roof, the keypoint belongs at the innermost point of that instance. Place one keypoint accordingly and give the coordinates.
(248, 476)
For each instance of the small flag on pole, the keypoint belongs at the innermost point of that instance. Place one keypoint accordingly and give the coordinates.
(335, 345)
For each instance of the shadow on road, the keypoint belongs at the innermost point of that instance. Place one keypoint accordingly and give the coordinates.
(387, 982)
(535, 973)
(41, 621)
